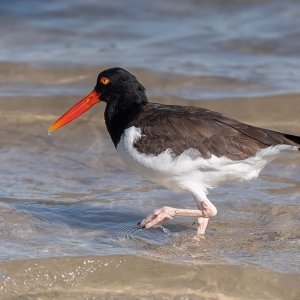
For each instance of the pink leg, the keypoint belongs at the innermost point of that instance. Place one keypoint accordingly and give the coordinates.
(162, 215)
(202, 222)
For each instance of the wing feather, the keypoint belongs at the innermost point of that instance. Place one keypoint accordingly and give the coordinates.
(180, 128)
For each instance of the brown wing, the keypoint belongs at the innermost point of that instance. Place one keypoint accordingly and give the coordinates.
(183, 127)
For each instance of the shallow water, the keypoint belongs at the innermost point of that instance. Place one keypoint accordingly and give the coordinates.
(68, 205)
(69, 195)
(235, 48)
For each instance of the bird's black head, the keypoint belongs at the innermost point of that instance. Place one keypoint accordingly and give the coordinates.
(121, 91)
(124, 96)
(120, 87)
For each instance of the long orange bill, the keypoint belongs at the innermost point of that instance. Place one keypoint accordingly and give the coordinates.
(77, 110)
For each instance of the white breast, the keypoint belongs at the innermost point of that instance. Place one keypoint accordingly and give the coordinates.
(190, 172)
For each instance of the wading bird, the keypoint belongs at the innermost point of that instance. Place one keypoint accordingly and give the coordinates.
(185, 149)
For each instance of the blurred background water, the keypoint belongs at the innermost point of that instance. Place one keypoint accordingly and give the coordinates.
(243, 48)
(68, 205)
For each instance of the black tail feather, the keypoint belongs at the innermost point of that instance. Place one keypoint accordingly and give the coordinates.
(293, 138)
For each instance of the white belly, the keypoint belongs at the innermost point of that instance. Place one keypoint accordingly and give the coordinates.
(190, 172)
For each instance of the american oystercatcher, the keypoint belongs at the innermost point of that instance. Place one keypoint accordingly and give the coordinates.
(185, 149)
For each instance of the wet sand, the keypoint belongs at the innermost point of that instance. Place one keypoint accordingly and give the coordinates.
(132, 277)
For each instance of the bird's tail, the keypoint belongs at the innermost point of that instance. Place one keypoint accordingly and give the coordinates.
(294, 138)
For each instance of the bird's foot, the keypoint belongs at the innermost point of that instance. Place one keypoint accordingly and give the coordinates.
(162, 215)
(158, 217)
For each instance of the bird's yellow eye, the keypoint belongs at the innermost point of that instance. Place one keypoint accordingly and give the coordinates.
(104, 80)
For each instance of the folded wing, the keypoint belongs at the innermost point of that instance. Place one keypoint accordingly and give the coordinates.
(182, 127)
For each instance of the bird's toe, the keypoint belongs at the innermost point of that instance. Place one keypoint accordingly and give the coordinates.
(158, 217)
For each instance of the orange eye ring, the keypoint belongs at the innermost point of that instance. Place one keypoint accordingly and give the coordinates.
(104, 80)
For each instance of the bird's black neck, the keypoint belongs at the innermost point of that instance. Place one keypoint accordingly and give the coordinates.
(117, 117)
